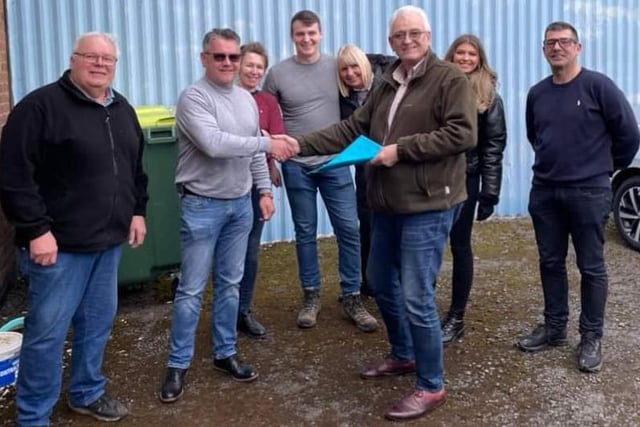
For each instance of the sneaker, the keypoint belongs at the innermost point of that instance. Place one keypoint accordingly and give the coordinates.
(310, 308)
(452, 328)
(103, 409)
(541, 338)
(589, 354)
(354, 310)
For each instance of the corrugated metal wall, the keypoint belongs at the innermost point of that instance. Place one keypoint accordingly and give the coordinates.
(160, 41)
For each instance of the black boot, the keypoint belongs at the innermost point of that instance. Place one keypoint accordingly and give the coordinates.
(250, 326)
(452, 327)
(172, 386)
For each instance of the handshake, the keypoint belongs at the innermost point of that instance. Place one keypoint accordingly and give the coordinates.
(283, 147)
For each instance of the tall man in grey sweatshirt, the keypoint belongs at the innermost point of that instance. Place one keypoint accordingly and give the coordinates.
(307, 90)
(220, 157)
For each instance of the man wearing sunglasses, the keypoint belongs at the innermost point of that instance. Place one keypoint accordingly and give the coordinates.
(581, 128)
(220, 157)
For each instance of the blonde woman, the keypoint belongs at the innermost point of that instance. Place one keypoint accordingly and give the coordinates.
(484, 173)
(358, 73)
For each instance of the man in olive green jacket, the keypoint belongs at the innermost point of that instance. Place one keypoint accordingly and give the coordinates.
(424, 115)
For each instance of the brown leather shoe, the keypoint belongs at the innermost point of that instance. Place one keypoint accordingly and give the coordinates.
(416, 404)
(388, 366)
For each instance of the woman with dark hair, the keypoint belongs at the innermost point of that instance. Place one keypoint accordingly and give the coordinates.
(484, 173)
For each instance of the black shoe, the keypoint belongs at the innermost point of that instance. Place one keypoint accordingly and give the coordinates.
(589, 354)
(541, 338)
(250, 326)
(172, 386)
(239, 370)
(452, 328)
(103, 409)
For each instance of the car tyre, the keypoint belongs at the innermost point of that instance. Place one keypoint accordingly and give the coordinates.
(626, 211)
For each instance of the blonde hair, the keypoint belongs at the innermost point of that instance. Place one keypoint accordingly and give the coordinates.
(483, 79)
(350, 54)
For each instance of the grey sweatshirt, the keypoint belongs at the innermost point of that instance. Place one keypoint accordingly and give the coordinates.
(308, 97)
(219, 143)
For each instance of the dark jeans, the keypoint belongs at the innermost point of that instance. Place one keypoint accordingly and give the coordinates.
(364, 220)
(560, 212)
(248, 282)
(461, 252)
(364, 217)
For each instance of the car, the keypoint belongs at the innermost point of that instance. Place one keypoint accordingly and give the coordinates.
(626, 202)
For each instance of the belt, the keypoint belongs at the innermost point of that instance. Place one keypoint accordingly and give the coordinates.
(184, 190)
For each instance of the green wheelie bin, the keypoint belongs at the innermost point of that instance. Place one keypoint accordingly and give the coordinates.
(160, 252)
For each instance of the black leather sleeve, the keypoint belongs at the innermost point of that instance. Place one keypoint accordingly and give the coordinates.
(492, 140)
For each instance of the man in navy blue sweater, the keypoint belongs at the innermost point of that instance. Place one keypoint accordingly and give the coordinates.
(581, 128)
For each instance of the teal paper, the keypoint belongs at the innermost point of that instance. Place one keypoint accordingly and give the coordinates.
(361, 150)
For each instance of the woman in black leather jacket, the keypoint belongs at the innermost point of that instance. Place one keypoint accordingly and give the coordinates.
(484, 174)
(357, 76)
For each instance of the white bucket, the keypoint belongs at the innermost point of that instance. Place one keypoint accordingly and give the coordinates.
(10, 343)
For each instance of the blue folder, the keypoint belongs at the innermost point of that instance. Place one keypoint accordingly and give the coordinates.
(361, 150)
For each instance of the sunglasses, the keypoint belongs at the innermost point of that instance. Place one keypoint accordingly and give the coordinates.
(220, 57)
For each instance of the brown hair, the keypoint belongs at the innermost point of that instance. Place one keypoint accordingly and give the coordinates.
(483, 79)
(258, 49)
(307, 17)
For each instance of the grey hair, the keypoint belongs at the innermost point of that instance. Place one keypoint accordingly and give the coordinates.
(105, 36)
(219, 33)
(410, 10)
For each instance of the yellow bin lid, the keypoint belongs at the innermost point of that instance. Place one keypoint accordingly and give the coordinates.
(155, 115)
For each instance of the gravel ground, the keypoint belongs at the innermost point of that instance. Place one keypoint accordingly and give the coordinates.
(310, 377)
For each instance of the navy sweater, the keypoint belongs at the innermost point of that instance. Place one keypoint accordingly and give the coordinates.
(581, 131)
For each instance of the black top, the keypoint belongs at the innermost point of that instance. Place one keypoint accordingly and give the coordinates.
(72, 166)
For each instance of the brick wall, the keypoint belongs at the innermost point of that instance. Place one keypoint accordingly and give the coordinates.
(7, 250)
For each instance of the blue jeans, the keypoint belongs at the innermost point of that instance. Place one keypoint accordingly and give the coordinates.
(336, 189)
(211, 231)
(582, 213)
(81, 290)
(248, 282)
(405, 257)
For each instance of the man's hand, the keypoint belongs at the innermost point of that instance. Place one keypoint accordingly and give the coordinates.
(283, 147)
(388, 156)
(43, 250)
(267, 208)
(137, 231)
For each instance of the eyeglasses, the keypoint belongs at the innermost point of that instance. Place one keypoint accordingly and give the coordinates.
(402, 35)
(564, 42)
(220, 57)
(94, 58)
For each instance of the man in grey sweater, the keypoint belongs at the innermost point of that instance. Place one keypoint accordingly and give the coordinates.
(221, 155)
(307, 90)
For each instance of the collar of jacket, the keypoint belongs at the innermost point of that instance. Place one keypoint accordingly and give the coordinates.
(425, 65)
(67, 84)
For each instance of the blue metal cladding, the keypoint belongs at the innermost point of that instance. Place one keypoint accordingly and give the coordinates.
(160, 41)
